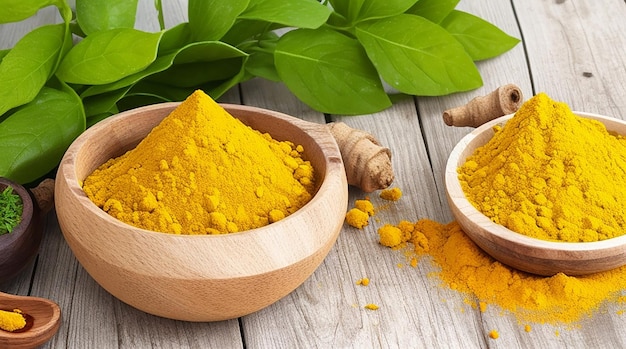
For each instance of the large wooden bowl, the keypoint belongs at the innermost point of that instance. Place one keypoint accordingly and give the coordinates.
(517, 250)
(200, 278)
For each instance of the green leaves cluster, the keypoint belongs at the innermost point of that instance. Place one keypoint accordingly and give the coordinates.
(11, 207)
(333, 55)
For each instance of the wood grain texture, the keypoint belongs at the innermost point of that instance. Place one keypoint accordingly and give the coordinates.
(562, 40)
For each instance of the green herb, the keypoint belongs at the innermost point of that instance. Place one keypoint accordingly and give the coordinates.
(10, 210)
(335, 55)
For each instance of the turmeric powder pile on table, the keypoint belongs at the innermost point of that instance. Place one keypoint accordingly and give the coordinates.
(202, 171)
(550, 174)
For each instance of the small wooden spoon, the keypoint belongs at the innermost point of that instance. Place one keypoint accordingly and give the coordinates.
(43, 318)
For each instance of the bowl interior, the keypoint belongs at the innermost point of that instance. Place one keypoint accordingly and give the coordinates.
(517, 250)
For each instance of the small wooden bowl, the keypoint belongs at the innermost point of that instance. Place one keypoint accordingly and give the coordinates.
(200, 278)
(517, 250)
(19, 248)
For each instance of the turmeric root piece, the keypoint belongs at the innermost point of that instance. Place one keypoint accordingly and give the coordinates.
(44, 194)
(502, 101)
(367, 163)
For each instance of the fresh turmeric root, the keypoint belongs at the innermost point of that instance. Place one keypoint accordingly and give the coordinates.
(367, 163)
(504, 100)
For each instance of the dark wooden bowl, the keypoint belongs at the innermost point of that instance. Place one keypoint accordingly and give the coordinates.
(19, 248)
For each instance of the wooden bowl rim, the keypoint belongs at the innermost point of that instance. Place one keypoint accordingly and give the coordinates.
(306, 127)
(573, 250)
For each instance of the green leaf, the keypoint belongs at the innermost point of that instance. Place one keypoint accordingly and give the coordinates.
(3, 53)
(35, 137)
(99, 15)
(291, 13)
(418, 57)
(433, 10)
(205, 52)
(362, 10)
(261, 64)
(245, 29)
(211, 19)
(175, 38)
(104, 102)
(261, 60)
(481, 39)
(27, 67)
(17, 10)
(160, 64)
(107, 56)
(202, 62)
(330, 72)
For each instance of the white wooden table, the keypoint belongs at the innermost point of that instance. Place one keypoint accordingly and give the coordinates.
(562, 40)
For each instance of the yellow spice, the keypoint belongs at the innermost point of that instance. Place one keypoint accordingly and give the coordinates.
(392, 194)
(550, 174)
(466, 268)
(202, 171)
(12, 320)
(363, 282)
(371, 306)
(365, 206)
(357, 218)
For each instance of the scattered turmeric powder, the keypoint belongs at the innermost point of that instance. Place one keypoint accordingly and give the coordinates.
(494, 334)
(357, 218)
(550, 174)
(12, 320)
(390, 235)
(371, 306)
(363, 282)
(202, 171)
(365, 206)
(528, 328)
(482, 306)
(466, 268)
(391, 194)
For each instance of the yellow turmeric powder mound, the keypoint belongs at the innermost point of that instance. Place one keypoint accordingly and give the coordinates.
(202, 171)
(392, 194)
(12, 320)
(357, 218)
(365, 206)
(494, 334)
(550, 174)
(466, 268)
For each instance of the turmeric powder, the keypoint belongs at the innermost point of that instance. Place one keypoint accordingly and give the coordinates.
(550, 174)
(358, 216)
(391, 194)
(466, 268)
(202, 171)
(12, 320)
